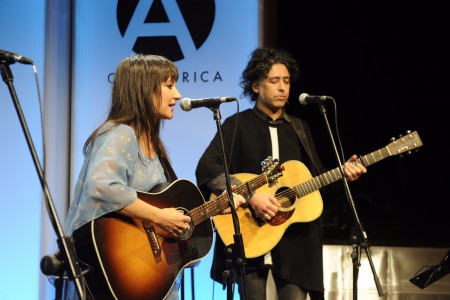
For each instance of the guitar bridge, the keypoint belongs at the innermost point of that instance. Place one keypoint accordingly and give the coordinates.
(154, 243)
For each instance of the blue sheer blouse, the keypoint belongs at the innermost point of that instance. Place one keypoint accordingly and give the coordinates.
(111, 174)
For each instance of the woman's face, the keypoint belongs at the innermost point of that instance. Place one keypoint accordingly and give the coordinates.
(169, 95)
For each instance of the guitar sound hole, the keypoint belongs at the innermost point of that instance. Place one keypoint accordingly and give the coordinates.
(286, 197)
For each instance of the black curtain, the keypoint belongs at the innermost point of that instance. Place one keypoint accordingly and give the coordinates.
(387, 66)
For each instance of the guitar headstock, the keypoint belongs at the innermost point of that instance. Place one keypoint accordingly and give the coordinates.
(272, 170)
(405, 144)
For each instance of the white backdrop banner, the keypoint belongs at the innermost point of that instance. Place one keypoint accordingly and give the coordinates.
(210, 41)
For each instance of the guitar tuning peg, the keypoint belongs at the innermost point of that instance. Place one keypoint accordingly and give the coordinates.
(267, 161)
(408, 132)
(392, 139)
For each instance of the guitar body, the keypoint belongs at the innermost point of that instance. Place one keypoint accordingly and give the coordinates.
(137, 261)
(260, 237)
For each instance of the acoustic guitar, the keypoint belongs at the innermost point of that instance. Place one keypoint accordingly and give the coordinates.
(136, 260)
(300, 199)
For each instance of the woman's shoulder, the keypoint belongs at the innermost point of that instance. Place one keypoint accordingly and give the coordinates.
(117, 133)
(117, 129)
(125, 130)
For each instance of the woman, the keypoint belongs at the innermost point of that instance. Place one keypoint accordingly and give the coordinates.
(125, 154)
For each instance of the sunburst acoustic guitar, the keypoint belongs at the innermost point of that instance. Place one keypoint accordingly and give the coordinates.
(139, 261)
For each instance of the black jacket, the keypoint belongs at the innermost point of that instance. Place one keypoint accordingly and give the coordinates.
(298, 256)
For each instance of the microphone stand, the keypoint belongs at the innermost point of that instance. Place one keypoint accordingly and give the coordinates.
(65, 244)
(359, 229)
(235, 253)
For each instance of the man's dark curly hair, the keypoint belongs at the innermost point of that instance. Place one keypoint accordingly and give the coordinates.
(259, 65)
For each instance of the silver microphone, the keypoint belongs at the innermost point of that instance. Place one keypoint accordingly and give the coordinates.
(305, 99)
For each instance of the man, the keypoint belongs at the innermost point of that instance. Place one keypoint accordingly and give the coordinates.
(267, 130)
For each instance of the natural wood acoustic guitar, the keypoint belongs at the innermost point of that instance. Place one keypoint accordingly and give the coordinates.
(300, 198)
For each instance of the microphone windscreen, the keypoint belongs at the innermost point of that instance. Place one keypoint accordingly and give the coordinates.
(185, 104)
(302, 98)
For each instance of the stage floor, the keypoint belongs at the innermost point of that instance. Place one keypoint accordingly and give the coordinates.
(394, 267)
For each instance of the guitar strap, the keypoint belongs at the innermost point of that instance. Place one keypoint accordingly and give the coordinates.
(168, 170)
(300, 130)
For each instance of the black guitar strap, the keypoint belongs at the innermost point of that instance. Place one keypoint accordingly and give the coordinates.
(300, 130)
(168, 170)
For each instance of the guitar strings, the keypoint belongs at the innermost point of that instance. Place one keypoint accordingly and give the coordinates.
(218, 204)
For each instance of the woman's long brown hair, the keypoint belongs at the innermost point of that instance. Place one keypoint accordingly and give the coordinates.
(136, 97)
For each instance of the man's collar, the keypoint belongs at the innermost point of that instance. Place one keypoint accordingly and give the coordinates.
(265, 117)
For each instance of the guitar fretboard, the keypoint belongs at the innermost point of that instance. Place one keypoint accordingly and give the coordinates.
(329, 177)
(221, 202)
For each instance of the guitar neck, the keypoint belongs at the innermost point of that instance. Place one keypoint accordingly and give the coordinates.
(334, 175)
(217, 205)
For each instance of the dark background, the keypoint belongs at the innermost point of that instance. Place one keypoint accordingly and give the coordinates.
(387, 66)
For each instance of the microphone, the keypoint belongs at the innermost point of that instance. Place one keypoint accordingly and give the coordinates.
(187, 104)
(9, 57)
(305, 99)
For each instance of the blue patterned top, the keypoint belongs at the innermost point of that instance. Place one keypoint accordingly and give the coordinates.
(111, 174)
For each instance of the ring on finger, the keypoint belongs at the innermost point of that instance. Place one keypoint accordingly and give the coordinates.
(266, 216)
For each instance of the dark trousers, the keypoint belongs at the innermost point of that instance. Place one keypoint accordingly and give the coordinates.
(256, 281)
